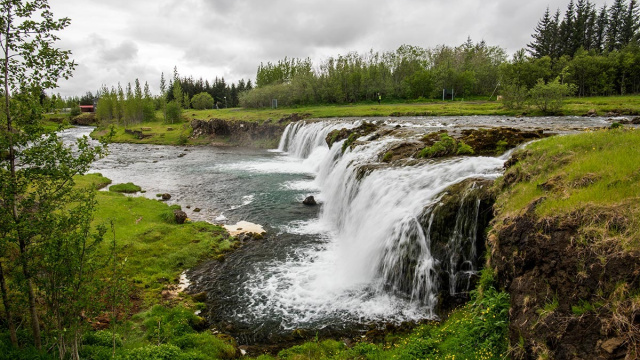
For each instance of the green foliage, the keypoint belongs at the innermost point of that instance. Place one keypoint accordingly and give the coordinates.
(548, 308)
(584, 307)
(314, 350)
(202, 101)
(616, 125)
(350, 140)
(464, 149)
(387, 156)
(75, 111)
(501, 146)
(444, 147)
(549, 97)
(581, 176)
(128, 188)
(174, 112)
(514, 96)
(155, 352)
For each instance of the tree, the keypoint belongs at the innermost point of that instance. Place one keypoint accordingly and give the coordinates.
(548, 97)
(36, 170)
(202, 101)
(543, 37)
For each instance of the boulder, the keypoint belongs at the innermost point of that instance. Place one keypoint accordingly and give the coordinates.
(636, 120)
(591, 113)
(309, 200)
(166, 196)
(180, 216)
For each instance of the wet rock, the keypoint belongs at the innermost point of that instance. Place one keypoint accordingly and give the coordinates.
(182, 155)
(310, 201)
(591, 113)
(200, 297)
(636, 120)
(180, 216)
(350, 134)
(197, 210)
(166, 196)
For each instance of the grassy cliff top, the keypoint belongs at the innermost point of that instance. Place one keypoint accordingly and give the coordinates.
(596, 171)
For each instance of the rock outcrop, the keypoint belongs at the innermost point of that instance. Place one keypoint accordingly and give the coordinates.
(242, 133)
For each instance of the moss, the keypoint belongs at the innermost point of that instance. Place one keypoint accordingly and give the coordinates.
(128, 188)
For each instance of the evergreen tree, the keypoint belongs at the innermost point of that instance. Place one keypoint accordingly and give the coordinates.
(543, 37)
(567, 30)
(616, 21)
(600, 36)
(629, 23)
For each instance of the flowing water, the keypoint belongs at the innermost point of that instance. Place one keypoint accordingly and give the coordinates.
(363, 256)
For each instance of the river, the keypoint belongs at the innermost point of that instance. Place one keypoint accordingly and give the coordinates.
(328, 268)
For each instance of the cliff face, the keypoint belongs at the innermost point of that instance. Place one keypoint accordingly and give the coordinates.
(242, 133)
(569, 255)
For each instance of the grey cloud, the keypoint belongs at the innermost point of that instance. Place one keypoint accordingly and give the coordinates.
(125, 51)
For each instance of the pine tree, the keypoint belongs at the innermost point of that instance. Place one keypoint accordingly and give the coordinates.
(567, 30)
(629, 23)
(600, 36)
(542, 44)
(616, 20)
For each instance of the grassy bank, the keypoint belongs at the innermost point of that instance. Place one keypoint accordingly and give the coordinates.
(573, 106)
(180, 133)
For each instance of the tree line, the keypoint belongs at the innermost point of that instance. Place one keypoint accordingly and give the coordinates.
(135, 105)
(410, 72)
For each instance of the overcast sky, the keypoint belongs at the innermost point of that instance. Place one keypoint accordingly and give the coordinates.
(121, 40)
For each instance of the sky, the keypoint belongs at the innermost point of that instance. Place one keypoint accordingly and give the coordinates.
(120, 40)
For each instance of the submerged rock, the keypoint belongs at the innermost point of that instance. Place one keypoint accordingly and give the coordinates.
(166, 196)
(310, 201)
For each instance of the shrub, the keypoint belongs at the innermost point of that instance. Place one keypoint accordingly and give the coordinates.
(202, 101)
(548, 97)
(75, 111)
(128, 188)
(514, 96)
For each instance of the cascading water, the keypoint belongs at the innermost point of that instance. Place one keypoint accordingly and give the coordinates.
(377, 262)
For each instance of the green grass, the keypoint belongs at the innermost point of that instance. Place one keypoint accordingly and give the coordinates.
(156, 248)
(127, 188)
(598, 168)
(157, 133)
(96, 180)
(629, 104)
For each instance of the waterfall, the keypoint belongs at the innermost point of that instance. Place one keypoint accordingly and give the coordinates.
(382, 221)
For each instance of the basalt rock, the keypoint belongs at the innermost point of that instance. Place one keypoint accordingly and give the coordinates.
(350, 134)
(180, 216)
(238, 132)
(310, 201)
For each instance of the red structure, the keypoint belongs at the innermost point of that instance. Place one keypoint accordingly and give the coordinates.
(87, 108)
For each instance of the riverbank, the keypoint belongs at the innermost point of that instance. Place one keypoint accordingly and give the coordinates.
(262, 128)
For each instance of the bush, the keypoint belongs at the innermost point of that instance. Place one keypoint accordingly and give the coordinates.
(128, 188)
(548, 97)
(514, 96)
(202, 101)
(75, 111)
(153, 352)
(173, 111)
